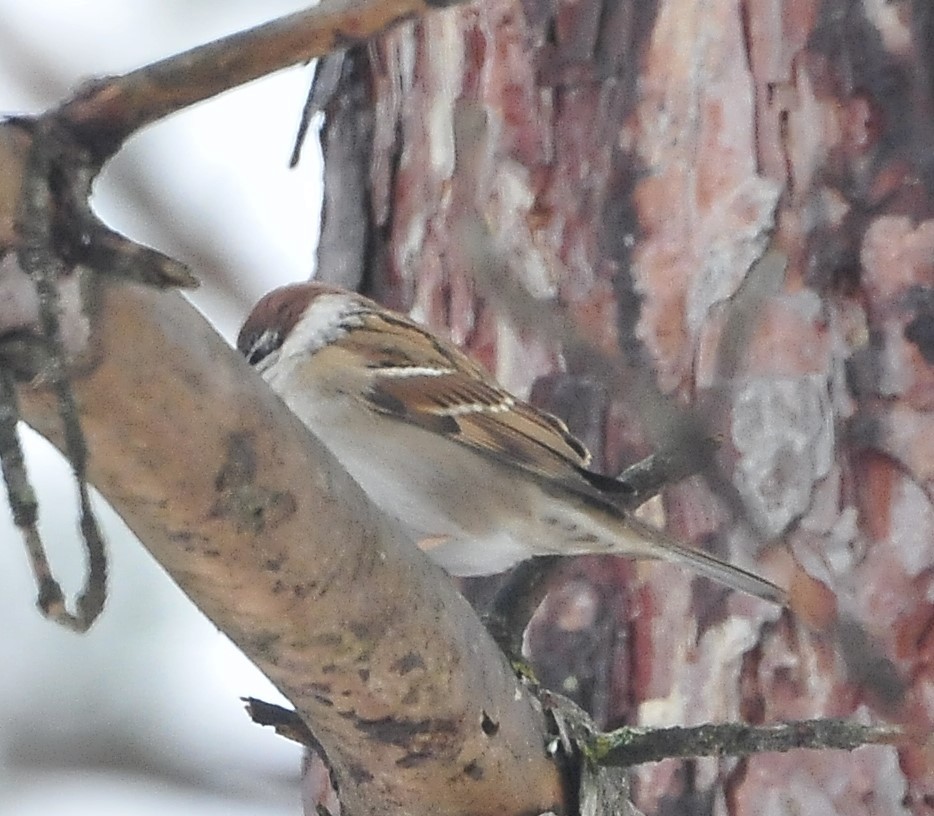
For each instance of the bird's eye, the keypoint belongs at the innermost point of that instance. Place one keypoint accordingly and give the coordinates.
(259, 346)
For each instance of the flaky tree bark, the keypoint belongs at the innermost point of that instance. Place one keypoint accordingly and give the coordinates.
(728, 204)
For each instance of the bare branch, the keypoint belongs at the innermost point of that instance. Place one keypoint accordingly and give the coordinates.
(108, 111)
(631, 746)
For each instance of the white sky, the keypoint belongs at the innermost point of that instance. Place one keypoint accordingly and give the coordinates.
(153, 684)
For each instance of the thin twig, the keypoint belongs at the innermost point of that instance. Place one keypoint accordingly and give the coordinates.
(38, 259)
(22, 498)
(629, 746)
(323, 87)
(633, 746)
(25, 508)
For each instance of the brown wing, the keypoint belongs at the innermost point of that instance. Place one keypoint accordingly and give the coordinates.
(488, 419)
(433, 385)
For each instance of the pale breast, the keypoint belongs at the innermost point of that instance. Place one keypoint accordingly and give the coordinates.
(446, 495)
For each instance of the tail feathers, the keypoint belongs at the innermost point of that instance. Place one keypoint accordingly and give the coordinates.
(668, 549)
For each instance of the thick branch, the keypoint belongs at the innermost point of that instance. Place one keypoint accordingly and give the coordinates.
(377, 651)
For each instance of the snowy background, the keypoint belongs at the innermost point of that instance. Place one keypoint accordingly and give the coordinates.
(142, 715)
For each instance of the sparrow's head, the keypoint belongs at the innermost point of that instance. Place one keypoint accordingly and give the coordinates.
(276, 317)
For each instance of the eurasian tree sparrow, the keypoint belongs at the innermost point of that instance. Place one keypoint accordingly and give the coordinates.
(480, 479)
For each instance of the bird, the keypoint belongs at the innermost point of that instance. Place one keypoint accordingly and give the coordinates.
(478, 478)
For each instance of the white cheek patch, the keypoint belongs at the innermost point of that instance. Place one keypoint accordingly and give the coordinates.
(327, 318)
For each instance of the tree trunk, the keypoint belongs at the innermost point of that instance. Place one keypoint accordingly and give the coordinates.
(672, 219)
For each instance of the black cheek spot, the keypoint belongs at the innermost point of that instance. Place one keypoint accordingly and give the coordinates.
(920, 331)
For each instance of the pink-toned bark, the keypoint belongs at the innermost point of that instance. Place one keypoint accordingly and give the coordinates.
(704, 157)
